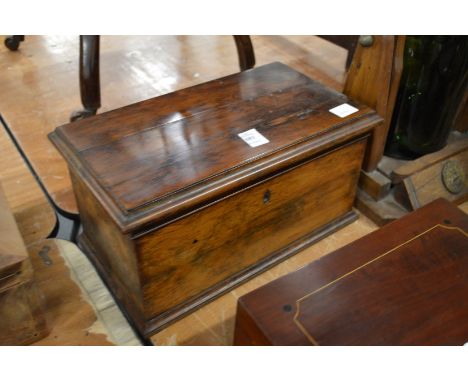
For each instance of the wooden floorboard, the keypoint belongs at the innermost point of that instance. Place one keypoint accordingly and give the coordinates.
(35, 216)
(39, 82)
(79, 308)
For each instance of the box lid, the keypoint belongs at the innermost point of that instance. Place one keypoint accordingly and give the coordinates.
(403, 284)
(150, 160)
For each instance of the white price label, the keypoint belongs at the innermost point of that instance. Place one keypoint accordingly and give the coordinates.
(253, 138)
(343, 110)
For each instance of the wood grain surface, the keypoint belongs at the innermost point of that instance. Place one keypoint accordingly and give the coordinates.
(43, 73)
(420, 181)
(375, 184)
(213, 324)
(150, 159)
(373, 79)
(383, 289)
(134, 70)
(209, 247)
(427, 185)
(146, 175)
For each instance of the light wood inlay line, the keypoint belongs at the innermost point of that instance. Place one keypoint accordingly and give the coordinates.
(299, 301)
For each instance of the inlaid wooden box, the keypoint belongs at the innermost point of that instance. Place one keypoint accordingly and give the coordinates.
(404, 284)
(177, 207)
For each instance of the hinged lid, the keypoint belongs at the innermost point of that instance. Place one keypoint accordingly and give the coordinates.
(403, 284)
(153, 159)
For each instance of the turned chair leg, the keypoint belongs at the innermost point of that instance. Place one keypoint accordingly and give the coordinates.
(13, 42)
(90, 86)
(245, 52)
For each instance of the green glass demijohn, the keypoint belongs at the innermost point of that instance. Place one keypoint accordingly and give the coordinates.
(433, 82)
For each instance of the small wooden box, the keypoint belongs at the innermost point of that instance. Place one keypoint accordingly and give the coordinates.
(22, 319)
(404, 284)
(177, 208)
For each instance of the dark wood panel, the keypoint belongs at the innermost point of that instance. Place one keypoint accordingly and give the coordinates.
(117, 257)
(156, 172)
(111, 126)
(177, 213)
(373, 79)
(184, 258)
(43, 75)
(415, 295)
(186, 137)
(403, 284)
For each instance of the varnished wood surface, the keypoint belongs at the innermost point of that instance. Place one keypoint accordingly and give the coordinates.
(194, 252)
(33, 213)
(204, 249)
(90, 84)
(42, 100)
(213, 324)
(375, 184)
(180, 145)
(383, 289)
(370, 80)
(90, 88)
(116, 261)
(245, 51)
(146, 175)
(43, 73)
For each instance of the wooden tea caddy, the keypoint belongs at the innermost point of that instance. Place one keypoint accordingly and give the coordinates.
(404, 284)
(177, 208)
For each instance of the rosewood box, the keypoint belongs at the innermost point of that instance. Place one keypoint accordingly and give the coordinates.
(185, 196)
(404, 284)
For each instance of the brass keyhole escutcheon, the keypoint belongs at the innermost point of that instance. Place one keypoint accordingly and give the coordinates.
(453, 176)
(266, 197)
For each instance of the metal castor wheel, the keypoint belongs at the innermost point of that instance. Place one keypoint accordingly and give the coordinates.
(13, 42)
(82, 114)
